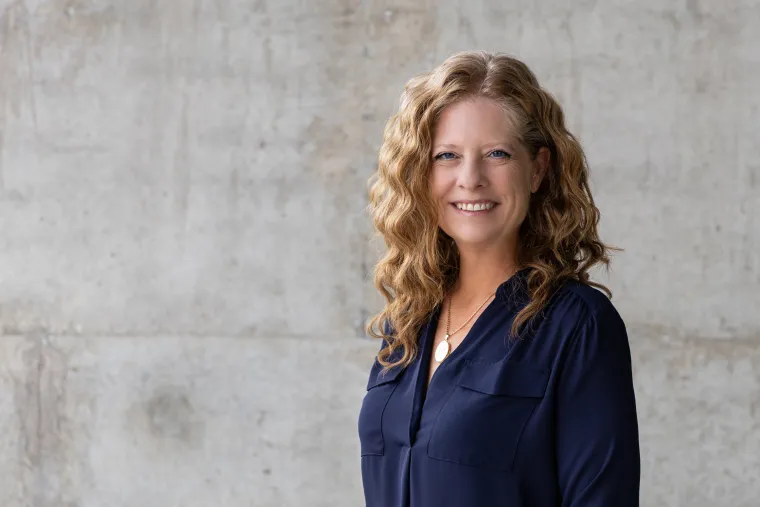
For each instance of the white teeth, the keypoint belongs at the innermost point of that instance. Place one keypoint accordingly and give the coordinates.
(474, 207)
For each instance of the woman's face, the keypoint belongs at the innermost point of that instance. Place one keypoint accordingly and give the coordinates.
(477, 159)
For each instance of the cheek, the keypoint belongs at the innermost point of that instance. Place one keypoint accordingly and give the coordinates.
(437, 187)
(516, 192)
(515, 185)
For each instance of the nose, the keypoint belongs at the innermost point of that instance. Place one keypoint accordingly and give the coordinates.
(471, 175)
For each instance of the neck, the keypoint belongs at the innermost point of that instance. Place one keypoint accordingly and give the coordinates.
(481, 271)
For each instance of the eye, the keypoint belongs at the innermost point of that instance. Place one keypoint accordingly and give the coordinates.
(500, 154)
(444, 156)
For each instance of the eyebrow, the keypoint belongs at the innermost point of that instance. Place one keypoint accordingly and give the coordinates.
(491, 145)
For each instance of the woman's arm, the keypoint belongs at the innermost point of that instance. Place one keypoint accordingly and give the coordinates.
(598, 457)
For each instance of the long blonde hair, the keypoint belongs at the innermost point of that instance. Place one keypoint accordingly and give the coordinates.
(558, 239)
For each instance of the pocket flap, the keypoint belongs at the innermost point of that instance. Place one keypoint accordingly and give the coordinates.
(505, 378)
(376, 378)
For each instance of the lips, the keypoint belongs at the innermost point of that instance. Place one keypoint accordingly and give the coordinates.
(467, 204)
(474, 213)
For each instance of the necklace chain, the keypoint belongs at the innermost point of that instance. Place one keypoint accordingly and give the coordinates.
(448, 318)
(444, 348)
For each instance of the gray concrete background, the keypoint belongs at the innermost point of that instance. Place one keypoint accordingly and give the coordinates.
(185, 265)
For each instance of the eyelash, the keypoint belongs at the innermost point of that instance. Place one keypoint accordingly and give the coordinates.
(507, 155)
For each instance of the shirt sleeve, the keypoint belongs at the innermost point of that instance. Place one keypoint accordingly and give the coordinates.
(597, 436)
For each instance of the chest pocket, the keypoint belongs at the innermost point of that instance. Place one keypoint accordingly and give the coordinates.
(481, 422)
(379, 390)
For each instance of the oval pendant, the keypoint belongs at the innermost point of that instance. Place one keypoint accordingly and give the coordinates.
(441, 351)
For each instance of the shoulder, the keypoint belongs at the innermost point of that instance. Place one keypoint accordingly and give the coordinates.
(594, 327)
(579, 318)
(583, 303)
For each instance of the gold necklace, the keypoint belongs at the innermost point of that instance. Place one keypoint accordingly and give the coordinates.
(443, 348)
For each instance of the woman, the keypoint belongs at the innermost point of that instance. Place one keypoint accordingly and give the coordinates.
(503, 376)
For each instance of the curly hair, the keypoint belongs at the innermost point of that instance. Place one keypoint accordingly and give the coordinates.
(558, 240)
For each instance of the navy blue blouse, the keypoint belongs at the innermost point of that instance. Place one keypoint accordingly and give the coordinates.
(547, 420)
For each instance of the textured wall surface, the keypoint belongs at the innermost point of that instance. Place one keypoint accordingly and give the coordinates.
(185, 266)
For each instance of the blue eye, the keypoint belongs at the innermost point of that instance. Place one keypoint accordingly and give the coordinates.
(441, 156)
(503, 153)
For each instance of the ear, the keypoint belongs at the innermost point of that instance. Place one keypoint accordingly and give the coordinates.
(540, 166)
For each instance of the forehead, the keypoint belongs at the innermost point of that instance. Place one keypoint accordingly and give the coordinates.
(475, 120)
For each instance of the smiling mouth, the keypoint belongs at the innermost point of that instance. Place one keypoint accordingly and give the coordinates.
(475, 210)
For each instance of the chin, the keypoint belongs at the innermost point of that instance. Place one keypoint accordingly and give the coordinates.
(476, 239)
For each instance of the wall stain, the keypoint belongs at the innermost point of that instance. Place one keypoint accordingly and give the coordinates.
(16, 71)
(73, 28)
(46, 433)
(166, 422)
(169, 416)
(692, 7)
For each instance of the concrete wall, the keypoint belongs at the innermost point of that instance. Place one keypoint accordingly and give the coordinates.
(185, 265)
